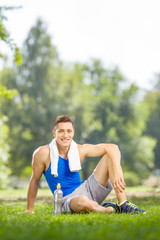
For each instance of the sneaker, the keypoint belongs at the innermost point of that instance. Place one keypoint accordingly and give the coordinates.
(126, 207)
(112, 205)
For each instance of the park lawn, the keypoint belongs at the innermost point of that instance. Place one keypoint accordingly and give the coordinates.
(44, 225)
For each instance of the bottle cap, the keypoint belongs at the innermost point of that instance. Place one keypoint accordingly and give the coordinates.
(58, 186)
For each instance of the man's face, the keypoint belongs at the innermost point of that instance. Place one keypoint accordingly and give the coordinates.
(64, 133)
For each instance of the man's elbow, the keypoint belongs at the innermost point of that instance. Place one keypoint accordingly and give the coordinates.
(114, 148)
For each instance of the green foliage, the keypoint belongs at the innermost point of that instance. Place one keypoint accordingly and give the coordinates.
(47, 88)
(4, 152)
(118, 118)
(6, 97)
(5, 36)
(26, 172)
(131, 178)
(152, 99)
(6, 93)
(44, 225)
(27, 115)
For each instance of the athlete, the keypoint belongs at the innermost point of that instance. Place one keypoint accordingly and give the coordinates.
(80, 196)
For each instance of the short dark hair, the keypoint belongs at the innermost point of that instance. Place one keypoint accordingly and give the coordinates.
(62, 118)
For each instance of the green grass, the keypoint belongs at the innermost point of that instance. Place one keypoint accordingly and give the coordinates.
(44, 225)
(15, 194)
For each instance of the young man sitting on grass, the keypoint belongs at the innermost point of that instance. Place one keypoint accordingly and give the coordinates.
(60, 162)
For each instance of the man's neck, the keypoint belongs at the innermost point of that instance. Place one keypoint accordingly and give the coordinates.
(63, 151)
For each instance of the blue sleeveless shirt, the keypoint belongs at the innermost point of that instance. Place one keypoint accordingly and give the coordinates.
(69, 180)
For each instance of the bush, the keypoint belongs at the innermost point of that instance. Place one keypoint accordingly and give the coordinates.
(131, 179)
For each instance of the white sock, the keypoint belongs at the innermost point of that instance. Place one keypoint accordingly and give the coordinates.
(122, 202)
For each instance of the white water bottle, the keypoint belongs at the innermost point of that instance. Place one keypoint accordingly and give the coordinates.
(58, 196)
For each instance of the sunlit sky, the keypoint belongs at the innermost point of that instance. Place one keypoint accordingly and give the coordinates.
(125, 33)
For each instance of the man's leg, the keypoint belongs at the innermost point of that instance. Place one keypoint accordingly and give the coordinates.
(103, 172)
(83, 204)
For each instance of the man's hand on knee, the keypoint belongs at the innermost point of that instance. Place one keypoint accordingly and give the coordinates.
(118, 181)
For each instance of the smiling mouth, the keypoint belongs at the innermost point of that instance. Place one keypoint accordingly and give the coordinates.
(65, 140)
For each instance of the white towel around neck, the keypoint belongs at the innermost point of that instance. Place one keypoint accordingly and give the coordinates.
(73, 157)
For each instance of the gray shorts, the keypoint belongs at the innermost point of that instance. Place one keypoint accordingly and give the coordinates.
(90, 188)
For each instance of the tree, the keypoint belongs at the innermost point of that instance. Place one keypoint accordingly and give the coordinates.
(118, 118)
(5, 93)
(28, 112)
(152, 98)
(5, 36)
(47, 87)
(4, 152)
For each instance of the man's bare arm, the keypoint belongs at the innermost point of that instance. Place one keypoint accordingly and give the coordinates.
(89, 150)
(114, 155)
(38, 168)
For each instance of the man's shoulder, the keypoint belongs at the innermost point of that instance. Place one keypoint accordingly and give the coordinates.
(82, 151)
(83, 146)
(42, 152)
(80, 147)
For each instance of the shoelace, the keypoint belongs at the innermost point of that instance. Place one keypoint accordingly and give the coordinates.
(132, 205)
(129, 207)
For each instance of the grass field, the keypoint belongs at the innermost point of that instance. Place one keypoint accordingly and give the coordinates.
(44, 225)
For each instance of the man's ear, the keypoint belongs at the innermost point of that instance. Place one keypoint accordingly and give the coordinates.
(54, 133)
